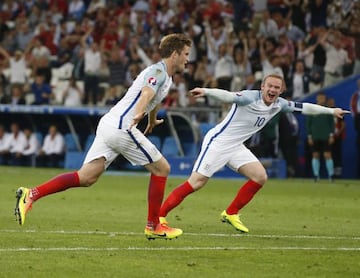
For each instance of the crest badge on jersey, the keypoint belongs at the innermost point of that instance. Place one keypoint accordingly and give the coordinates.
(152, 81)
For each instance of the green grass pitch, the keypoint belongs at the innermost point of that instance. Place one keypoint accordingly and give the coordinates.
(298, 228)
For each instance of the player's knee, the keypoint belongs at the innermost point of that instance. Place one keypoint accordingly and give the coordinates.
(165, 170)
(261, 178)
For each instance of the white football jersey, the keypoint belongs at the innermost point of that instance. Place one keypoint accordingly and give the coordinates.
(247, 116)
(155, 77)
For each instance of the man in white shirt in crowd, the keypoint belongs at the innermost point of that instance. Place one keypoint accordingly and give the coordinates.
(17, 66)
(53, 148)
(31, 148)
(4, 145)
(17, 144)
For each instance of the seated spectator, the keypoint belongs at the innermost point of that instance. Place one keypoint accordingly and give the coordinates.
(41, 90)
(4, 145)
(31, 148)
(17, 145)
(17, 95)
(52, 150)
(73, 94)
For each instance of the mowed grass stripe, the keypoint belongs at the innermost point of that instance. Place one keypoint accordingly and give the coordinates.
(185, 234)
(184, 248)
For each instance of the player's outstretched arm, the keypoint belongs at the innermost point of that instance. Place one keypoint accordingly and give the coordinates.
(218, 94)
(315, 109)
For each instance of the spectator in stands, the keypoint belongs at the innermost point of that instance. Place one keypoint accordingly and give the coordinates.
(215, 36)
(53, 149)
(300, 81)
(164, 15)
(17, 95)
(336, 58)
(73, 94)
(318, 12)
(241, 67)
(320, 136)
(253, 81)
(172, 99)
(224, 66)
(17, 66)
(4, 145)
(4, 28)
(305, 53)
(38, 49)
(179, 85)
(297, 13)
(132, 72)
(42, 91)
(269, 60)
(31, 148)
(24, 36)
(317, 70)
(110, 38)
(17, 145)
(92, 65)
(10, 9)
(33, 15)
(268, 27)
(116, 62)
(254, 53)
(76, 9)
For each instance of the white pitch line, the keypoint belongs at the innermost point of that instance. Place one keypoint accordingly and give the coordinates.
(185, 234)
(216, 248)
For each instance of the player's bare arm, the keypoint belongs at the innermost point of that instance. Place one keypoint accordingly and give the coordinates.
(152, 120)
(146, 96)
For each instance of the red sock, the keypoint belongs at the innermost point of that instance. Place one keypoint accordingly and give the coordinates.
(245, 194)
(155, 198)
(57, 184)
(176, 197)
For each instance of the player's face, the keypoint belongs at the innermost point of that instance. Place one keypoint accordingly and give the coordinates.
(271, 89)
(182, 59)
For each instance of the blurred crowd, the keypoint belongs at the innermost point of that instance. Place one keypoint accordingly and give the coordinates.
(87, 52)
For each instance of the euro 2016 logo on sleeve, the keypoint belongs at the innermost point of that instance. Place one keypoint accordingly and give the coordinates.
(152, 81)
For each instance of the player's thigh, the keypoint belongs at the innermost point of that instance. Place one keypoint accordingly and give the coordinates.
(99, 149)
(135, 147)
(211, 159)
(247, 164)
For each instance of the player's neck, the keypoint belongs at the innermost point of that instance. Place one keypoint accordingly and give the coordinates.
(168, 67)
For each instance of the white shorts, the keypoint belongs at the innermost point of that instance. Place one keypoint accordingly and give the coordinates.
(110, 142)
(214, 157)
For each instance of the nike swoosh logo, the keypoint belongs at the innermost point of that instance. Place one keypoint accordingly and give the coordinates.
(162, 235)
